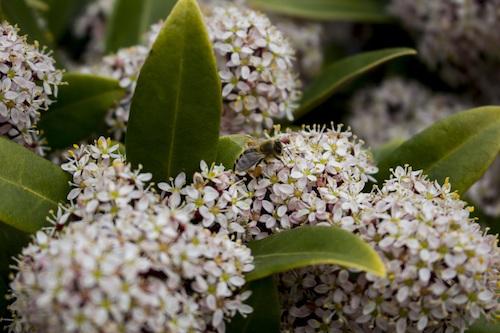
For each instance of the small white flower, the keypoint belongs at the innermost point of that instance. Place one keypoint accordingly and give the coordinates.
(126, 260)
(29, 83)
(115, 275)
(428, 244)
(256, 69)
(281, 193)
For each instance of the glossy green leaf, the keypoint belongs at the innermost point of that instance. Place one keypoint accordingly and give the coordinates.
(327, 10)
(382, 152)
(18, 12)
(80, 109)
(30, 186)
(341, 72)
(460, 147)
(175, 115)
(265, 317)
(482, 326)
(230, 147)
(131, 19)
(306, 246)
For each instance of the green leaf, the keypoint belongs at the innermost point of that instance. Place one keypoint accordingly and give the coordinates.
(460, 147)
(383, 151)
(306, 246)
(176, 110)
(230, 147)
(341, 72)
(131, 19)
(327, 10)
(30, 186)
(80, 109)
(265, 317)
(482, 326)
(18, 12)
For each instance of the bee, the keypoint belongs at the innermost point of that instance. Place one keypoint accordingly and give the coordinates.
(253, 155)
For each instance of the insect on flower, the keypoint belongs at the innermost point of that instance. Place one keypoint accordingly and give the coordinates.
(258, 152)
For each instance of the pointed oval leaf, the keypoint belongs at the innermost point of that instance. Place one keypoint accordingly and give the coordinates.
(131, 19)
(383, 151)
(265, 317)
(460, 147)
(230, 147)
(328, 10)
(341, 72)
(30, 186)
(306, 246)
(80, 109)
(175, 115)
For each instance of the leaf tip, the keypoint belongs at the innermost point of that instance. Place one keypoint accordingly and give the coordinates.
(380, 270)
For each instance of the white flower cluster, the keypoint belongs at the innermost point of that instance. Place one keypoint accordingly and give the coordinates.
(442, 270)
(123, 66)
(457, 38)
(216, 198)
(319, 179)
(256, 68)
(103, 184)
(305, 37)
(91, 24)
(126, 263)
(401, 107)
(486, 192)
(138, 273)
(267, 86)
(29, 81)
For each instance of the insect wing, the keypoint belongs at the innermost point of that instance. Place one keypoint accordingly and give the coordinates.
(248, 159)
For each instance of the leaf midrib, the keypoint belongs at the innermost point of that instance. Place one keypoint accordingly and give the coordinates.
(177, 103)
(27, 189)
